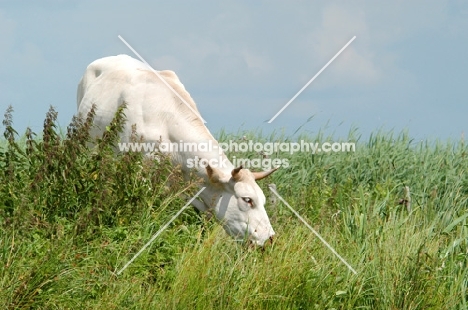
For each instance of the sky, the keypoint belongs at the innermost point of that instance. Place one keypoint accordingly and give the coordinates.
(242, 61)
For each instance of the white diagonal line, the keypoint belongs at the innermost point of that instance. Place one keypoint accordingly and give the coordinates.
(161, 78)
(311, 80)
(313, 230)
(159, 232)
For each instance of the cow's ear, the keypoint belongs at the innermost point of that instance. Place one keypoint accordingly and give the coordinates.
(213, 174)
(235, 173)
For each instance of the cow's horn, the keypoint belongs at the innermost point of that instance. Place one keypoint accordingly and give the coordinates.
(263, 174)
(235, 171)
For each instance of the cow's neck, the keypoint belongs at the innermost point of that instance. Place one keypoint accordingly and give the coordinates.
(208, 149)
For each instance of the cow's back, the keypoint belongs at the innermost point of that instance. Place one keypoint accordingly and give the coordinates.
(151, 105)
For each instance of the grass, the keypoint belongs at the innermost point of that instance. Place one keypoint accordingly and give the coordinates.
(71, 217)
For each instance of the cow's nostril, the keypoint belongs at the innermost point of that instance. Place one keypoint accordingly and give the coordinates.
(271, 239)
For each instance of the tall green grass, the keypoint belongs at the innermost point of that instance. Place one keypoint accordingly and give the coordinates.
(71, 216)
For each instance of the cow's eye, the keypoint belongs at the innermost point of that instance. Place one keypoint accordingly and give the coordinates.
(248, 200)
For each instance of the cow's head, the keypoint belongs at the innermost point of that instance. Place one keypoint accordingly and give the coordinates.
(239, 203)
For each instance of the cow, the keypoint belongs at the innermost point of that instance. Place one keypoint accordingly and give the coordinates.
(162, 116)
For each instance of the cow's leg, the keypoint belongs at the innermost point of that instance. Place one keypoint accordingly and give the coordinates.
(200, 205)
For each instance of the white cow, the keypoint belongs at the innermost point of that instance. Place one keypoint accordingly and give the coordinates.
(160, 115)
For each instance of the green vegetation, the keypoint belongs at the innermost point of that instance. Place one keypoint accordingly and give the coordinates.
(70, 217)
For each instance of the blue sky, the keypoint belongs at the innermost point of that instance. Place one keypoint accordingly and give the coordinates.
(243, 60)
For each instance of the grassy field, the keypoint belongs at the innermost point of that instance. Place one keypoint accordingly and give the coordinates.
(70, 218)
